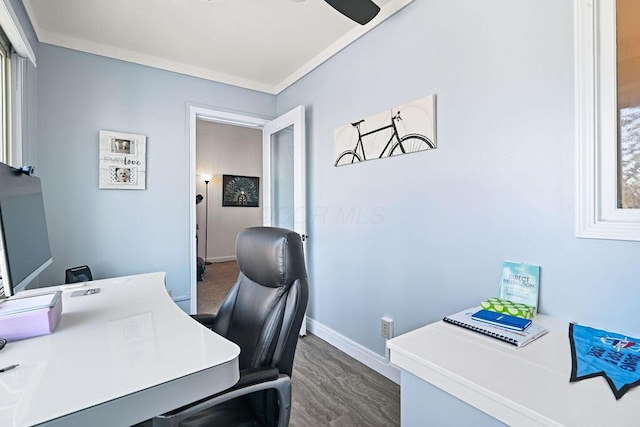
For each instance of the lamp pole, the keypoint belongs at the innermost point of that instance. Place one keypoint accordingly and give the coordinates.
(206, 220)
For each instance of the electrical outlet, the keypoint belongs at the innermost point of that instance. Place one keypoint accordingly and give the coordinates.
(387, 328)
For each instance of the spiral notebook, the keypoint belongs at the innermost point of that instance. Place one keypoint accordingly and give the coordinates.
(517, 338)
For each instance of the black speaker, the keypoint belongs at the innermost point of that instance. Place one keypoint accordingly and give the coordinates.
(78, 274)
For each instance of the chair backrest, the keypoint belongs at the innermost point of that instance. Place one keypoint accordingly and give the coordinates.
(263, 311)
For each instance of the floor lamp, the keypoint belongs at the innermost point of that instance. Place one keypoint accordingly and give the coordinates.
(206, 179)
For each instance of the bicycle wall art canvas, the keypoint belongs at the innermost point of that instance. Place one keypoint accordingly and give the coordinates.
(405, 129)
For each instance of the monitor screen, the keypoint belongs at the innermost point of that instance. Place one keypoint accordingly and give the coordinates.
(24, 241)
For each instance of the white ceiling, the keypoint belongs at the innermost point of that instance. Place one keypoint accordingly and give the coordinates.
(264, 45)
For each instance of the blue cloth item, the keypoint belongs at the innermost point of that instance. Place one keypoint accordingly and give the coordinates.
(615, 357)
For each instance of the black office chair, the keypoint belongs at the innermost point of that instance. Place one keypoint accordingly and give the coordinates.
(262, 314)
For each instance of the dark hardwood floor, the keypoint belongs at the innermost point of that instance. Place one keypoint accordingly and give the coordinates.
(332, 389)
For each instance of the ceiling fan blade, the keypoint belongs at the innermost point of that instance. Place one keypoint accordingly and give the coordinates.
(361, 11)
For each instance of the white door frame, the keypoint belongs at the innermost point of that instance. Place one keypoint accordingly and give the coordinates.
(206, 113)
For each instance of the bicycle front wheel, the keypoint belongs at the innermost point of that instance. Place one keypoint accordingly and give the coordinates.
(347, 158)
(410, 144)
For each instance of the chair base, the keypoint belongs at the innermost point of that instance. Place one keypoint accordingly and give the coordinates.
(219, 409)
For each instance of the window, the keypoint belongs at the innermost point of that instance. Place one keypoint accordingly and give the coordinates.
(608, 119)
(5, 58)
(15, 54)
(628, 100)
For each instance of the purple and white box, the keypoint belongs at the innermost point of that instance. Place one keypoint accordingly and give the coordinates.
(31, 316)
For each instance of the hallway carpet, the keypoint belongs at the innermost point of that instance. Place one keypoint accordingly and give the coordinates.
(218, 277)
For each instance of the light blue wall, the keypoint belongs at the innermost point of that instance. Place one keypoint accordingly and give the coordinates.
(118, 232)
(428, 231)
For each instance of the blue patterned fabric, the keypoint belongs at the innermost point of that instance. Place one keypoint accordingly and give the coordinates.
(615, 357)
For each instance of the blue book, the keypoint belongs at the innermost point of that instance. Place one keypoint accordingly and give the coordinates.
(502, 320)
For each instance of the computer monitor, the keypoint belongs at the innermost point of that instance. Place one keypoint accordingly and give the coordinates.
(24, 240)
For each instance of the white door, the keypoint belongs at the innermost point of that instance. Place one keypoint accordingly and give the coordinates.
(283, 174)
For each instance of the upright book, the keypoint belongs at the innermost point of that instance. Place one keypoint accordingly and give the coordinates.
(520, 283)
(517, 338)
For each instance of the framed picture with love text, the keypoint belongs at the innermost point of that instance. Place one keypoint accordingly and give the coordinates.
(123, 162)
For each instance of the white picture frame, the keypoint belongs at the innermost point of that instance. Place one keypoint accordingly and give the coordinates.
(122, 163)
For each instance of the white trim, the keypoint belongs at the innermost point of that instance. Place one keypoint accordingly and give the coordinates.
(156, 62)
(222, 259)
(387, 11)
(213, 114)
(597, 215)
(149, 60)
(12, 28)
(355, 350)
(18, 119)
(191, 179)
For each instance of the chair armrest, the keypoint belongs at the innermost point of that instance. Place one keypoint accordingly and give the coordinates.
(205, 319)
(254, 376)
(281, 383)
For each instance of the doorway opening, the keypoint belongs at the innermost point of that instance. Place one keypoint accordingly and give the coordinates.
(282, 187)
(196, 115)
(228, 170)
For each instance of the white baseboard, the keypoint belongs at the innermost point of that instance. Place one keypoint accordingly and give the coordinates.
(355, 350)
(222, 259)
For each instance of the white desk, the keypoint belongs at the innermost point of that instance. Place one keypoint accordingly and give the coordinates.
(522, 387)
(116, 358)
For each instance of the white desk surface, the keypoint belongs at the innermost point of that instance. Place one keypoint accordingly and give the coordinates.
(524, 387)
(115, 358)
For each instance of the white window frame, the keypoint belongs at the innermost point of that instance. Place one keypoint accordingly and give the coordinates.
(21, 51)
(5, 100)
(18, 123)
(597, 212)
(11, 26)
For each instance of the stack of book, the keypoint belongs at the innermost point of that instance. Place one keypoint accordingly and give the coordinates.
(518, 332)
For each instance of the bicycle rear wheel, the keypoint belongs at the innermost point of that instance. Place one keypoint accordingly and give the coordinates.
(410, 144)
(347, 158)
